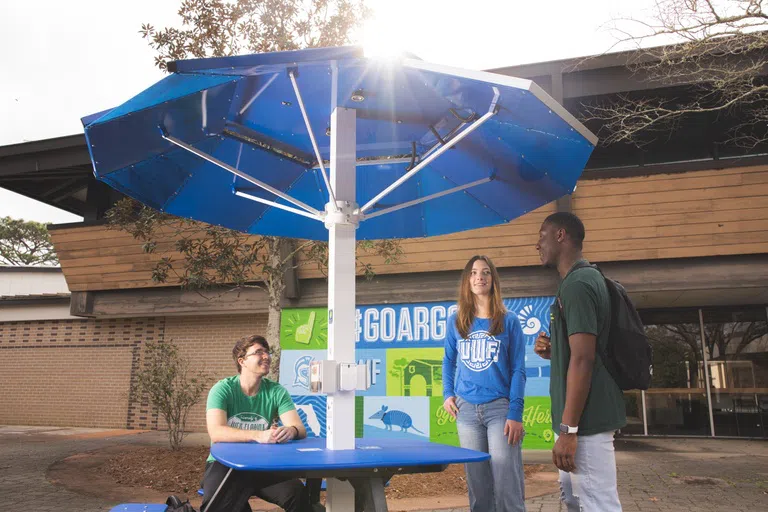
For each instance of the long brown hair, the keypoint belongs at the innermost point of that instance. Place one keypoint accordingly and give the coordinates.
(466, 313)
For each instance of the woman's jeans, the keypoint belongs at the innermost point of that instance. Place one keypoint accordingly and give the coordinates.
(592, 486)
(497, 485)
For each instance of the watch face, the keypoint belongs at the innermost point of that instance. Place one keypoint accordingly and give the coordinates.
(563, 428)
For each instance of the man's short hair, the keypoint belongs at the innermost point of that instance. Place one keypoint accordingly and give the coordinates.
(570, 223)
(243, 344)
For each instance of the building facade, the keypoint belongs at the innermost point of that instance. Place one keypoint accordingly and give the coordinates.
(680, 222)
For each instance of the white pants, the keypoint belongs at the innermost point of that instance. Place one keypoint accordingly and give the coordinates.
(592, 486)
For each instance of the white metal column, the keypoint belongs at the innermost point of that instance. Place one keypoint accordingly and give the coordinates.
(707, 383)
(340, 423)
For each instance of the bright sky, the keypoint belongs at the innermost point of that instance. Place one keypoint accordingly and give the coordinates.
(62, 60)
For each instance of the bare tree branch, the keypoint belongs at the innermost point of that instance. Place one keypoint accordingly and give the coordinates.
(720, 61)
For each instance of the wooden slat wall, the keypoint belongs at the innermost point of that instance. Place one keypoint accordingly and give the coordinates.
(509, 245)
(704, 213)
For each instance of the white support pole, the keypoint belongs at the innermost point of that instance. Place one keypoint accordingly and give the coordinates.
(340, 422)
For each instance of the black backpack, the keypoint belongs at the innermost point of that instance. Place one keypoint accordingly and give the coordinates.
(628, 356)
(176, 505)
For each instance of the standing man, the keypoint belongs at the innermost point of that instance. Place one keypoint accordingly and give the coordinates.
(587, 404)
(240, 409)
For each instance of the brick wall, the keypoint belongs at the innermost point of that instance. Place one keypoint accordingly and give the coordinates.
(78, 372)
(72, 372)
(208, 342)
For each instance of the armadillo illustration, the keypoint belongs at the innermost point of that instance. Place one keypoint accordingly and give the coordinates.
(398, 418)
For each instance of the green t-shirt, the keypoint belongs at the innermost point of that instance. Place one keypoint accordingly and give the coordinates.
(249, 412)
(586, 304)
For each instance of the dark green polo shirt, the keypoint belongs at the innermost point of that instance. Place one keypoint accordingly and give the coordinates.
(583, 297)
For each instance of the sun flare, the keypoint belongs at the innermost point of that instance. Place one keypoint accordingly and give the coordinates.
(380, 39)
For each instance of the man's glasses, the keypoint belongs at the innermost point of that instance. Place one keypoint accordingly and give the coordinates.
(260, 353)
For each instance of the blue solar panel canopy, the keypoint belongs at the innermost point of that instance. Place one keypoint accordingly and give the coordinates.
(325, 144)
(240, 125)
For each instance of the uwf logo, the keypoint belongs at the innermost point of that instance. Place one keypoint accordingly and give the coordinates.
(301, 371)
(479, 351)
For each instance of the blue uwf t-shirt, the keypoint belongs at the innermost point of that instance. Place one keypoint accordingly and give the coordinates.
(486, 367)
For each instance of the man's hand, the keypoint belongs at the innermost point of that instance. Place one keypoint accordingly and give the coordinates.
(543, 346)
(513, 431)
(284, 434)
(450, 406)
(264, 436)
(564, 452)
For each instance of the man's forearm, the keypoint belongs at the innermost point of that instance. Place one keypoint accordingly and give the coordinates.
(226, 434)
(577, 388)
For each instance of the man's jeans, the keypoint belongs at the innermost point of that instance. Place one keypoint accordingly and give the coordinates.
(592, 486)
(496, 485)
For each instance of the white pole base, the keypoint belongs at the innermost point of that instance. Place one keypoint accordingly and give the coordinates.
(340, 496)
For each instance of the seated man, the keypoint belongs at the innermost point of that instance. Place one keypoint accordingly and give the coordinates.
(240, 409)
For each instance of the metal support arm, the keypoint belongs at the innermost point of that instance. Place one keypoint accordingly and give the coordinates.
(445, 147)
(246, 195)
(425, 198)
(241, 174)
(312, 137)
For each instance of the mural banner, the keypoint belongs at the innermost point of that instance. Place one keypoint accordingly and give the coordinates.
(402, 347)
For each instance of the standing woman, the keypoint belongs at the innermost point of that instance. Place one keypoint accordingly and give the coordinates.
(483, 387)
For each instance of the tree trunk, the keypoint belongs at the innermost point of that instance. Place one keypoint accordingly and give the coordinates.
(273, 337)
(275, 288)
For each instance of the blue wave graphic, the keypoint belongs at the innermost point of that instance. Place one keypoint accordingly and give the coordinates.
(318, 407)
(533, 314)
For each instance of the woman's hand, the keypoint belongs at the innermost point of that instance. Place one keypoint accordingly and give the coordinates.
(514, 432)
(450, 406)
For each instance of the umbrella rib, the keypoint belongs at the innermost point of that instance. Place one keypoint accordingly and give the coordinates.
(240, 193)
(292, 75)
(258, 93)
(448, 145)
(241, 174)
(425, 198)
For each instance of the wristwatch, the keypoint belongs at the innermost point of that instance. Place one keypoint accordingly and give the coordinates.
(567, 429)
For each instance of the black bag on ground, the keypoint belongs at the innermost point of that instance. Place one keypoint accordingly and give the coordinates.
(176, 505)
(628, 356)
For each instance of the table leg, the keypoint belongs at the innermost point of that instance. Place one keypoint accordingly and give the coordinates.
(217, 490)
(369, 494)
